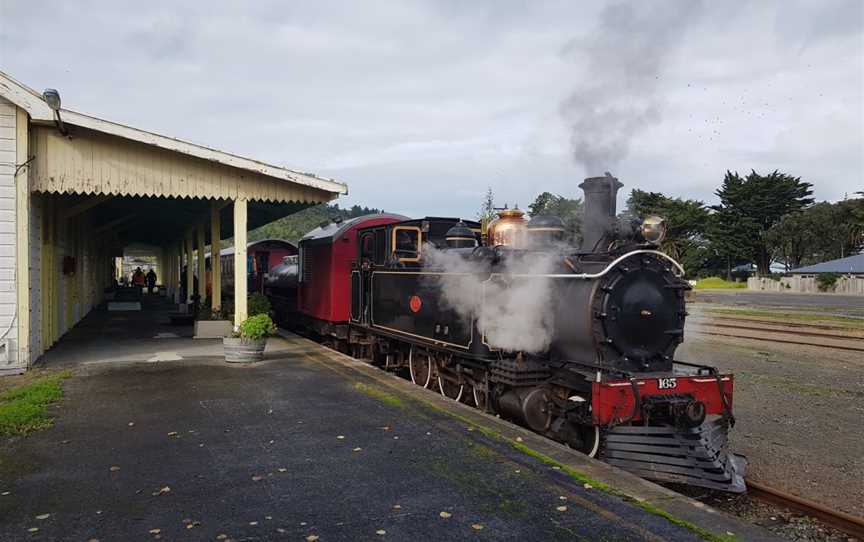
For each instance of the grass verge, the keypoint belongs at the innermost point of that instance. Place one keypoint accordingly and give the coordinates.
(699, 531)
(716, 283)
(25, 409)
(379, 394)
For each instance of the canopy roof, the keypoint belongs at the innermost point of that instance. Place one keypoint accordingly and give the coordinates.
(101, 157)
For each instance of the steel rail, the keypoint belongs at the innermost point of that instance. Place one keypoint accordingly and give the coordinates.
(776, 340)
(841, 521)
(738, 319)
(834, 336)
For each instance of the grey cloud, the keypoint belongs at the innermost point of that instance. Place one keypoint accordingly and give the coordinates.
(421, 105)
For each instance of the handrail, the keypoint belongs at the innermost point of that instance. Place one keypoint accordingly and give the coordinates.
(598, 275)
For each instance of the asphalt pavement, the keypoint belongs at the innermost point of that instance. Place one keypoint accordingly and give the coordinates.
(287, 449)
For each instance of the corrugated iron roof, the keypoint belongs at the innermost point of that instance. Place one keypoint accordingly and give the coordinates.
(32, 102)
(850, 264)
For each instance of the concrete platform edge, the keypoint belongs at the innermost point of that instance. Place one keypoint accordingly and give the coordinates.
(649, 495)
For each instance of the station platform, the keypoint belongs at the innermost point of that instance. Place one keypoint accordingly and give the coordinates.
(125, 336)
(306, 445)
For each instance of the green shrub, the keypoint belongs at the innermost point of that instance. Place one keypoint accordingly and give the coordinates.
(258, 304)
(827, 281)
(257, 327)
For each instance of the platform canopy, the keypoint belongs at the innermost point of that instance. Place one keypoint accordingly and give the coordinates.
(77, 189)
(103, 158)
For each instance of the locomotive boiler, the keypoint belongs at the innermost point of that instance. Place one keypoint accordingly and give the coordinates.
(576, 343)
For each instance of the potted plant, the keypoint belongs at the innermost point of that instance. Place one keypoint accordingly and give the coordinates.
(248, 344)
(210, 324)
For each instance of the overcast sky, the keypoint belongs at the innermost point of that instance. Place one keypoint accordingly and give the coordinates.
(420, 106)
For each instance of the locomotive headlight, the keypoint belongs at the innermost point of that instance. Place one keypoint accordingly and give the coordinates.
(653, 229)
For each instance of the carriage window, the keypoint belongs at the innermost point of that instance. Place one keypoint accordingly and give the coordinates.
(406, 243)
(367, 247)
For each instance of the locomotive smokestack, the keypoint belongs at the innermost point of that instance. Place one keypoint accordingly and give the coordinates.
(599, 216)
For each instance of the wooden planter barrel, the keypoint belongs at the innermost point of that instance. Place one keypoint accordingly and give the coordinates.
(239, 350)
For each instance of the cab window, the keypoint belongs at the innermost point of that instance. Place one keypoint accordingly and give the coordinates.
(405, 243)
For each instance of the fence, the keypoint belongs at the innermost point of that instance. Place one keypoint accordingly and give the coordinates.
(847, 284)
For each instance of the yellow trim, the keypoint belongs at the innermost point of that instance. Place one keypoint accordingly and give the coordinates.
(215, 259)
(393, 242)
(427, 339)
(190, 273)
(69, 228)
(240, 283)
(54, 276)
(44, 265)
(202, 265)
(22, 235)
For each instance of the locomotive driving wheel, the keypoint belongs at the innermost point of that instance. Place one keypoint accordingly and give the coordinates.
(481, 398)
(586, 439)
(420, 367)
(450, 387)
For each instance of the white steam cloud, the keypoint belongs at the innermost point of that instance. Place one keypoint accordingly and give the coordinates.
(622, 61)
(513, 313)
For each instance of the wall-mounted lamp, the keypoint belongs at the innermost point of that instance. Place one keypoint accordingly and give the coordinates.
(52, 98)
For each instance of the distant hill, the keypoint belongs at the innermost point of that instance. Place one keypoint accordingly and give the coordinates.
(293, 227)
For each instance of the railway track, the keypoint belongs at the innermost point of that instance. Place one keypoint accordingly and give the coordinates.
(824, 336)
(849, 524)
(797, 328)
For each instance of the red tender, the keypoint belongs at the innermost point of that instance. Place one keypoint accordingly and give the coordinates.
(324, 292)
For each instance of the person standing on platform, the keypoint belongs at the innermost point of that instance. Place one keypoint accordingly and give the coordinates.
(138, 280)
(151, 280)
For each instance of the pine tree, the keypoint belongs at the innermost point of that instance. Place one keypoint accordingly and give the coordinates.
(487, 208)
(749, 207)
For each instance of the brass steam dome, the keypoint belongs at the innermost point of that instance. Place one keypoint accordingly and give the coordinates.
(508, 229)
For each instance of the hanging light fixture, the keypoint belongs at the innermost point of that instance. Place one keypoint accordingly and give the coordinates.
(52, 98)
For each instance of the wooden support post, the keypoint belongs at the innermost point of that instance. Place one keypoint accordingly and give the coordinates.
(215, 260)
(168, 272)
(202, 265)
(190, 270)
(240, 276)
(178, 270)
(22, 235)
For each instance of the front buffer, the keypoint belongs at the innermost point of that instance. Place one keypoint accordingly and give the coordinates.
(671, 429)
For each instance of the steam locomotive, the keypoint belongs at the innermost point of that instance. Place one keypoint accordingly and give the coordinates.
(574, 343)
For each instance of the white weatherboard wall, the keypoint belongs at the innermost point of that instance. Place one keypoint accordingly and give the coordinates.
(8, 294)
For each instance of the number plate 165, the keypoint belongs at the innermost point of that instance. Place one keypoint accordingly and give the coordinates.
(667, 383)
